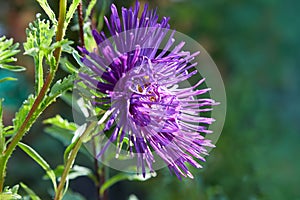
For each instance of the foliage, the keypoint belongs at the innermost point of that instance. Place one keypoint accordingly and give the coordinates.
(10, 193)
(7, 51)
(255, 45)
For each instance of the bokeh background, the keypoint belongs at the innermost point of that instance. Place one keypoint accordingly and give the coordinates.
(256, 46)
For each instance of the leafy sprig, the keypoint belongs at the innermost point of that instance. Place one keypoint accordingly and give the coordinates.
(7, 52)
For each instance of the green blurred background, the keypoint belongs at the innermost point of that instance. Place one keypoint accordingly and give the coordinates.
(256, 47)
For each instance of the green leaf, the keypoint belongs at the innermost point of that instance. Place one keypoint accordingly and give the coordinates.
(64, 136)
(121, 177)
(39, 160)
(7, 79)
(31, 193)
(39, 37)
(101, 15)
(89, 9)
(44, 4)
(2, 137)
(61, 123)
(8, 196)
(65, 44)
(75, 172)
(62, 86)
(71, 11)
(80, 130)
(23, 111)
(7, 51)
(78, 171)
(14, 68)
(68, 66)
(38, 45)
(59, 88)
(77, 57)
(10, 193)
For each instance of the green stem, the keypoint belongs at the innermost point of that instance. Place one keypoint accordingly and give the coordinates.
(34, 111)
(39, 75)
(68, 165)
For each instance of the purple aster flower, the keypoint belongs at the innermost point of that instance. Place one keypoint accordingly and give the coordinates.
(139, 82)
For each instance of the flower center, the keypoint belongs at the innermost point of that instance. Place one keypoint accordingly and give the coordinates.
(153, 102)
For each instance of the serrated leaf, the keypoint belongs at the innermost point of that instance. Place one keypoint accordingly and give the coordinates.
(38, 45)
(39, 160)
(89, 9)
(123, 176)
(39, 37)
(61, 123)
(60, 87)
(30, 192)
(10, 193)
(44, 4)
(71, 11)
(8, 196)
(23, 111)
(7, 51)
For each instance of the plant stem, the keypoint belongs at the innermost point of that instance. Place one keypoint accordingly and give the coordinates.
(80, 23)
(97, 174)
(59, 192)
(33, 114)
(102, 181)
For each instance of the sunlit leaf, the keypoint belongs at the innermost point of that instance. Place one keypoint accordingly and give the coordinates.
(61, 123)
(62, 85)
(7, 52)
(10, 193)
(30, 192)
(89, 9)
(7, 79)
(68, 66)
(75, 172)
(39, 38)
(70, 13)
(59, 88)
(39, 160)
(44, 4)
(22, 113)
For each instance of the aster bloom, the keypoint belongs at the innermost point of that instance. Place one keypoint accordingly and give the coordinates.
(140, 84)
